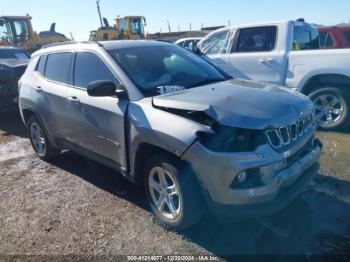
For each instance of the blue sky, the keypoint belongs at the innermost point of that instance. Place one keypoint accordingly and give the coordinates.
(80, 16)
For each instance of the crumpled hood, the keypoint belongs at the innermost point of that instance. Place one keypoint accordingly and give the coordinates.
(243, 104)
(14, 62)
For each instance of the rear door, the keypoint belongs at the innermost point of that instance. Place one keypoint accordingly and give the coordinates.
(96, 123)
(254, 55)
(53, 73)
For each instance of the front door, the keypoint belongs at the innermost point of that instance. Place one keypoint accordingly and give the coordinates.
(254, 55)
(97, 123)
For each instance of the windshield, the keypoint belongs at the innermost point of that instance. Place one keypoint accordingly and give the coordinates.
(13, 54)
(154, 68)
(135, 26)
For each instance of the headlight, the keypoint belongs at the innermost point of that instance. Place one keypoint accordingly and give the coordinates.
(229, 139)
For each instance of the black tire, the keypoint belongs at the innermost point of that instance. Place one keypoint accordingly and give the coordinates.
(343, 95)
(50, 151)
(193, 206)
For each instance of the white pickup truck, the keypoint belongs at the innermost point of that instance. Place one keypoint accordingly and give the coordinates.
(286, 53)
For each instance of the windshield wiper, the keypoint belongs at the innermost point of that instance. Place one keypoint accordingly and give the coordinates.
(207, 82)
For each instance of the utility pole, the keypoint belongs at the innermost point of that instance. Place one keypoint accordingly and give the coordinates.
(99, 12)
(190, 27)
(71, 35)
(169, 26)
(229, 23)
(178, 27)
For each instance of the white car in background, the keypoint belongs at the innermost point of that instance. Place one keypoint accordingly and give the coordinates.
(286, 53)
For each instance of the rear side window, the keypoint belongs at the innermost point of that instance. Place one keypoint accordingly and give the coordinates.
(89, 68)
(257, 39)
(58, 67)
(41, 65)
(305, 38)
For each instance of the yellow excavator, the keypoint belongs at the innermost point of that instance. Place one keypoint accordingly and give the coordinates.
(18, 31)
(129, 27)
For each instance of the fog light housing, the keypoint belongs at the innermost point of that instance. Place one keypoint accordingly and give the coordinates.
(241, 178)
(247, 179)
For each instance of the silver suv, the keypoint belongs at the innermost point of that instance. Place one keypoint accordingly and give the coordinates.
(161, 116)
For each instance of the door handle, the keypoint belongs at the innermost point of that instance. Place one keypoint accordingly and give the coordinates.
(38, 89)
(73, 99)
(266, 60)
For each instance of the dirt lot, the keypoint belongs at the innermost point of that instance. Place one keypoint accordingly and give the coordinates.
(74, 206)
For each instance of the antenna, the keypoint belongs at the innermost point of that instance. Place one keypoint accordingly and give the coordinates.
(99, 12)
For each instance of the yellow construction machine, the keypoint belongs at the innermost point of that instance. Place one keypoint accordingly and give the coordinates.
(129, 27)
(18, 31)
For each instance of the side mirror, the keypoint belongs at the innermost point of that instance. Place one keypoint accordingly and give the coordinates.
(105, 88)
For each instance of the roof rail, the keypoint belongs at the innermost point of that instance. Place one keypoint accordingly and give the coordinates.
(70, 43)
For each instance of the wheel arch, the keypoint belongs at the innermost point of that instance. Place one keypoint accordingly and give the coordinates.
(27, 113)
(145, 151)
(334, 80)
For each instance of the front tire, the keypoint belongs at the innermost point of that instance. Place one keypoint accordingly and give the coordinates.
(40, 143)
(173, 192)
(332, 107)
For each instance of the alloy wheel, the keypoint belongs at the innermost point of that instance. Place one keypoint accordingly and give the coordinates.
(38, 138)
(329, 109)
(164, 192)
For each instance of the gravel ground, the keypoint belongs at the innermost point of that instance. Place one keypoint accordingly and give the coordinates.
(74, 206)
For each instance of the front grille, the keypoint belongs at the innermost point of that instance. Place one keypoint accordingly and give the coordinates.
(284, 136)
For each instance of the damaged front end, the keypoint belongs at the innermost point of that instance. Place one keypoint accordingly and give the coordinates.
(247, 159)
(9, 77)
(223, 138)
(8, 96)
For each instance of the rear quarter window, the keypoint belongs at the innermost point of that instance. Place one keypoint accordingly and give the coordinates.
(305, 38)
(40, 68)
(58, 67)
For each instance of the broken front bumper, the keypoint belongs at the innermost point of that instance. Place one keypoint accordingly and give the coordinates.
(8, 96)
(217, 171)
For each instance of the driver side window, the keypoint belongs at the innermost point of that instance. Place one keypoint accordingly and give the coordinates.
(217, 43)
(89, 68)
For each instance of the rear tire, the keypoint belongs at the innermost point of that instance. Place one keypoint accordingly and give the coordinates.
(40, 143)
(176, 198)
(332, 107)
